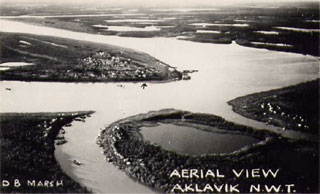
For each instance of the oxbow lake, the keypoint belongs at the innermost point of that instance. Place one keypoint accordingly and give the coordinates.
(225, 72)
(191, 141)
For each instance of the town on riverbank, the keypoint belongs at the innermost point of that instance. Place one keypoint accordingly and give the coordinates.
(58, 59)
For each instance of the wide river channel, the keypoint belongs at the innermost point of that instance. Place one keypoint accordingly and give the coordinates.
(225, 72)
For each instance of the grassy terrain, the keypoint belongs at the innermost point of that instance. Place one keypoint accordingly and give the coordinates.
(295, 107)
(27, 152)
(57, 59)
(151, 165)
(242, 24)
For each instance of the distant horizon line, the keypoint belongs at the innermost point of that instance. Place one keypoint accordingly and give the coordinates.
(155, 3)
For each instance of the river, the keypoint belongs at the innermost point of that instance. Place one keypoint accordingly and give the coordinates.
(225, 72)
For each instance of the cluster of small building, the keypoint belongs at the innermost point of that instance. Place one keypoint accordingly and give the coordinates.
(103, 65)
(268, 108)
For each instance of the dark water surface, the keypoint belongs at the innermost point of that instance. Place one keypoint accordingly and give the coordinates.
(192, 141)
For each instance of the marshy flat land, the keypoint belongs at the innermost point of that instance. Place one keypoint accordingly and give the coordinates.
(280, 27)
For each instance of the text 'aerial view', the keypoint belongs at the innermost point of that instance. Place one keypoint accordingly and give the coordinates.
(159, 96)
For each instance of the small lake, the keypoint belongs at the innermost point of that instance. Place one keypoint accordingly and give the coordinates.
(7, 65)
(298, 29)
(192, 141)
(219, 24)
(134, 20)
(127, 28)
(14, 64)
(4, 68)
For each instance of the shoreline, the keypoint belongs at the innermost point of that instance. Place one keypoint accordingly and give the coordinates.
(28, 157)
(90, 81)
(295, 107)
(151, 165)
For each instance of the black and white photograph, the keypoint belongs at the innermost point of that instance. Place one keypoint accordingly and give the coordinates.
(159, 96)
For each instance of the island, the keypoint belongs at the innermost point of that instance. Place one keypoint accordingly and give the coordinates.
(159, 168)
(27, 151)
(59, 59)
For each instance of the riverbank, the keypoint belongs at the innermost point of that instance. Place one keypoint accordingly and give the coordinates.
(27, 152)
(292, 108)
(151, 165)
(66, 60)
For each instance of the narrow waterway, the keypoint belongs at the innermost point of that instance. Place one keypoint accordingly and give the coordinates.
(225, 72)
